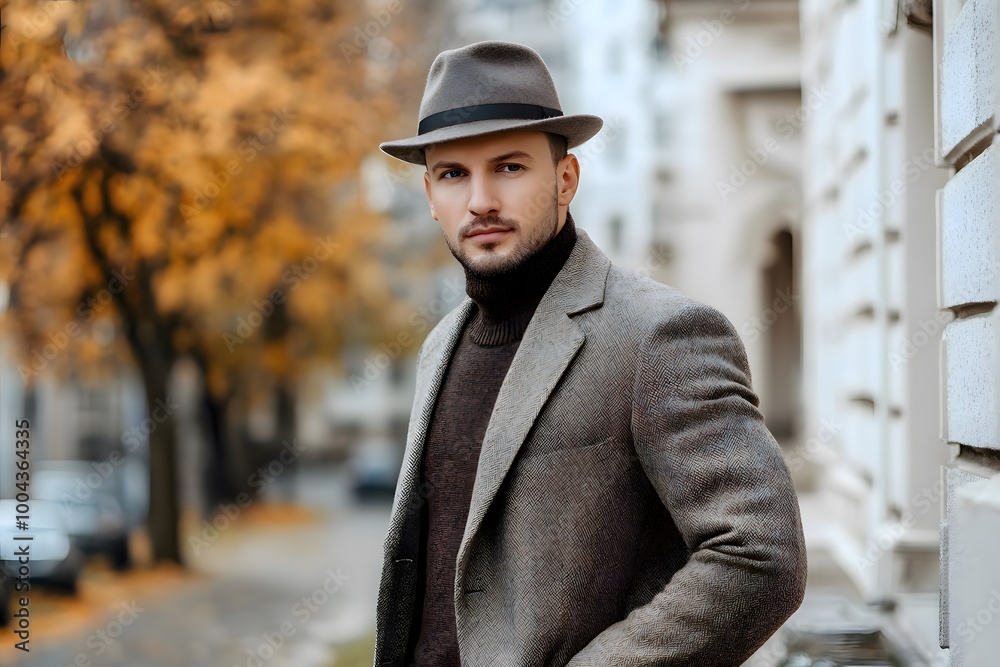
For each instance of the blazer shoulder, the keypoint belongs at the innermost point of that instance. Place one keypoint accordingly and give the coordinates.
(655, 304)
(667, 319)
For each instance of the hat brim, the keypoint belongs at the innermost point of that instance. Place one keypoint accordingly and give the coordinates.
(577, 128)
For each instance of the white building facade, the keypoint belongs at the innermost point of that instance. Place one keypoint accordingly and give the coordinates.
(727, 109)
(899, 281)
(966, 104)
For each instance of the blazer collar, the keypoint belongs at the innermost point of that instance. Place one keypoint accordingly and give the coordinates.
(579, 286)
(547, 348)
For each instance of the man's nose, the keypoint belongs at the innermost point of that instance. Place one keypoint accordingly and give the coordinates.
(482, 197)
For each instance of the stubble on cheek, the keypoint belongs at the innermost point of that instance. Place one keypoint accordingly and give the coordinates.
(499, 256)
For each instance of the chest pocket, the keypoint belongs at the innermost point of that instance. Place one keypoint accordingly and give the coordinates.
(558, 449)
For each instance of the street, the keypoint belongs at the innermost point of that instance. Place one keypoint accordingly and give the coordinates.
(275, 592)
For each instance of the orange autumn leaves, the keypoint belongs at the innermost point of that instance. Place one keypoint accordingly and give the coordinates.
(210, 149)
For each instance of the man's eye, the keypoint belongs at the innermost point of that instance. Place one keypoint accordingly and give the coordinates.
(453, 171)
(516, 166)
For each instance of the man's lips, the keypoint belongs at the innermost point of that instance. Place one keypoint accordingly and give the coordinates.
(487, 234)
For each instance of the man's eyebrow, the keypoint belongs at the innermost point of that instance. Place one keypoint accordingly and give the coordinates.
(447, 164)
(511, 154)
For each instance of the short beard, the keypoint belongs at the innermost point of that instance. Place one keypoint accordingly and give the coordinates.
(495, 265)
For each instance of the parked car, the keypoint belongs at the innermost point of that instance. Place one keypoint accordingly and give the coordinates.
(55, 559)
(373, 468)
(91, 504)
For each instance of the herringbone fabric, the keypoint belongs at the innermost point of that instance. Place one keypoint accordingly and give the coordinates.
(629, 508)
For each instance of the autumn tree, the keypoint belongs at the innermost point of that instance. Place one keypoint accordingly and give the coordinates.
(196, 165)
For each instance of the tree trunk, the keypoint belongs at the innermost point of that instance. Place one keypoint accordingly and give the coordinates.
(219, 487)
(285, 432)
(164, 508)
(149, 337)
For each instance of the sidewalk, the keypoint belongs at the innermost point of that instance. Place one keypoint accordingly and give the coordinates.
(834, 622)
(103, 595)
(282, 587)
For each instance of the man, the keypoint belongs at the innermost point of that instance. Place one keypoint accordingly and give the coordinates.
(587, 478)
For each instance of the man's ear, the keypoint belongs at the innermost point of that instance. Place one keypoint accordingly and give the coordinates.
(568, 179)
(427, 191)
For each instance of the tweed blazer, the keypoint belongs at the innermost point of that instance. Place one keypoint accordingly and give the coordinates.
(629, 508)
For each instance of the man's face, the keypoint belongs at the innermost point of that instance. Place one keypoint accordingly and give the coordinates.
(498, 197)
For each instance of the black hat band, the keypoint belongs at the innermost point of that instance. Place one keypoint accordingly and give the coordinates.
(485, 112)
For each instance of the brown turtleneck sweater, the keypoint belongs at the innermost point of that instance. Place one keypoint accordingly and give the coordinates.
(504, 304)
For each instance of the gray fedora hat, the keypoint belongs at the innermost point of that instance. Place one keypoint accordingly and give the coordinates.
(488, 87)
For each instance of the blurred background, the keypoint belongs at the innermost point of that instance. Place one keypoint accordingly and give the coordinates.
(213, 286)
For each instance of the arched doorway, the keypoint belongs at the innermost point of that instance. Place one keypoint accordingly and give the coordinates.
(783, 338)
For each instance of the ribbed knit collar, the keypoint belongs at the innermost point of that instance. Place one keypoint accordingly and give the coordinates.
(506, 302)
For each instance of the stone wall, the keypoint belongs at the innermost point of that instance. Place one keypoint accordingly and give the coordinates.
(966, 97)
(872, 325)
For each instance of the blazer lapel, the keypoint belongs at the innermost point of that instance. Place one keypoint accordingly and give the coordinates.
(434, 364)
(550, 342)
(549, 345)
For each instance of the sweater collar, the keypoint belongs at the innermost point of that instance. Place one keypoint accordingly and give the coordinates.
(505, 302)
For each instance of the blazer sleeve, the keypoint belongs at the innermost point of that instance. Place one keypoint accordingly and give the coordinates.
(703, 444)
